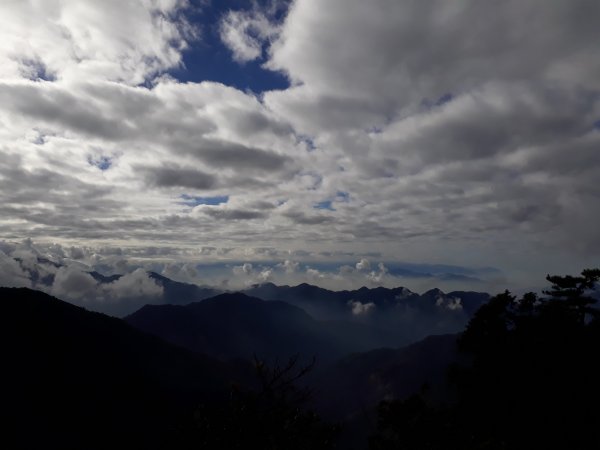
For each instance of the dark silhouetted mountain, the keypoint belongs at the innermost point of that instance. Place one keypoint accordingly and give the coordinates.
(360, 381)
(236, 325)
(104, 278)
(350, 390)
(77, 379)
(177, 293)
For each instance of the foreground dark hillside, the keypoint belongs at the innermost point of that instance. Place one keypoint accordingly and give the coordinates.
(533, 381)
(77, 379)
(349, 390)
(355, 384)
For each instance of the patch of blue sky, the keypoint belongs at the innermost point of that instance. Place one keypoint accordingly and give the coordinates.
(342, 196)
(36, 70)
(446, 98)
(208, 59)
(308, 141)
(40, 139)
(325, 204)
(375, 130)
(192, 200)
(102, 162)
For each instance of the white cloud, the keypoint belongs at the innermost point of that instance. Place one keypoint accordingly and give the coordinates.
(77, 285)
(363, 264)
(245, 269)
(314, 275)
(246, 32)
(84, 39)
(377, 277)
(11, 273)
(452, 304)
(361, 309)
(185, 272)
(290, 266)
(136, 284)
(265, 275)
(74, 284)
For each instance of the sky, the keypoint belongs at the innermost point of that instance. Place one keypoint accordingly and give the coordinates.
(342, 143)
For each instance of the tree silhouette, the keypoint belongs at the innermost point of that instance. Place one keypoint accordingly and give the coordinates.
(574, 292)
(532, 381)
(275, 416)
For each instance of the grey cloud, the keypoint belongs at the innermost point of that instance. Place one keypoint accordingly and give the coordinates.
(305, 219)
(121, 296)
(254, 122)
(312, 112)
(74, 284)
(496, 119)
(35, 70)
(136, 284)
(11, 273)
(234, 214)
(237, 156)
(422, 49)
(174, 176)
(56, 106)
(262, 205)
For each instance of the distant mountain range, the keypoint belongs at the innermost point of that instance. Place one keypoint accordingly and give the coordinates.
(81, 378)
(390, 317)
(238, 326)
(323, 303)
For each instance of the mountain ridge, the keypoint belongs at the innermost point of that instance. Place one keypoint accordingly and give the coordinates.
(236, 325)
(85, 379)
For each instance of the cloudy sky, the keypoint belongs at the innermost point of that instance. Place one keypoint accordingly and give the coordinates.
(335, 140)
